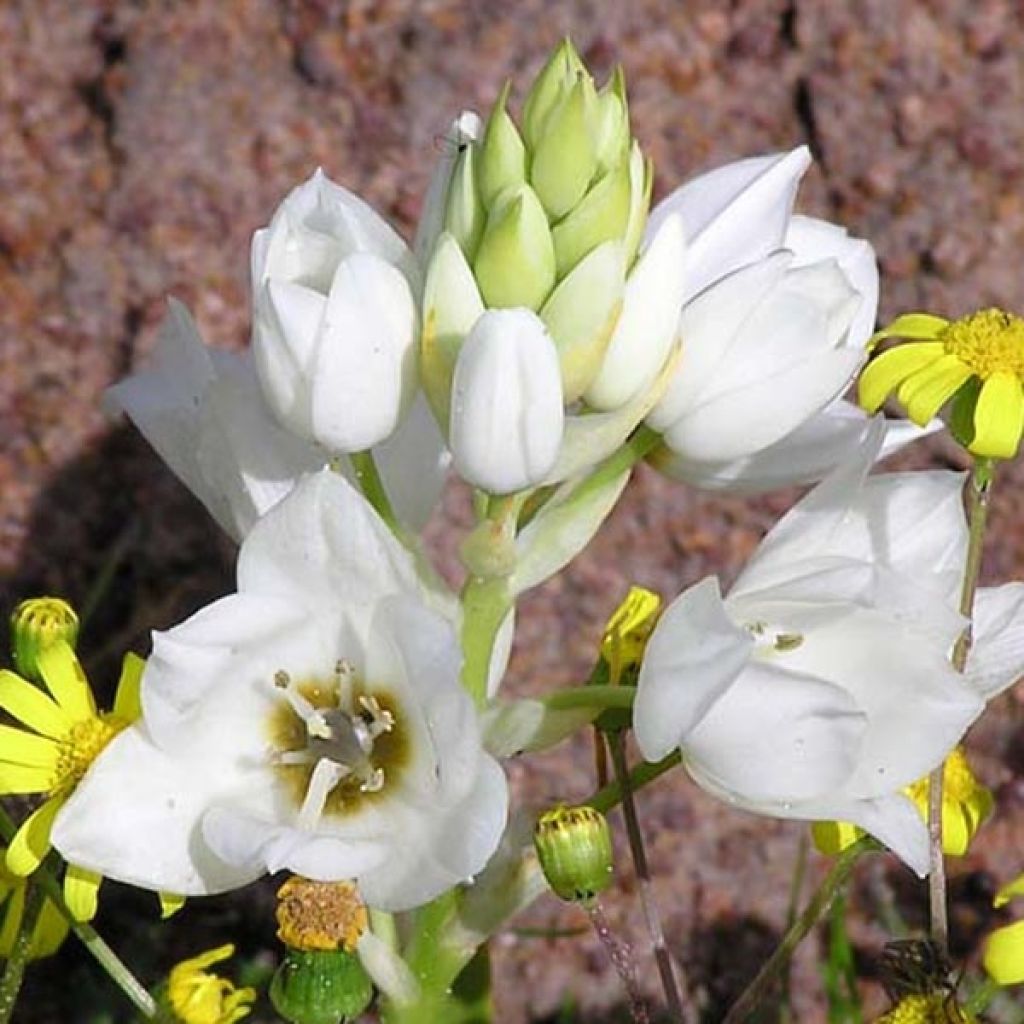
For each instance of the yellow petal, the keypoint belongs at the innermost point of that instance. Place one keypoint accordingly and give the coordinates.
(30, 705)
(927, 391)
(170, 904)
(999, 417)
(81, 892)
(127, 704)
(25, 748)
(916, 326)
(1004, 954)
(831, 837)
(891, 368)
(31, 843)
(1009, 891)
(65, 679)
(20, 778)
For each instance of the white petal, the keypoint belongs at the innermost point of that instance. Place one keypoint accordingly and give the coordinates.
(811, 240)
(694, 655)
(512, 727)
(734, 215)
(135, 817)
(777, 735)
(918, 707)
(647, 326)
(324, 547)
(996, 660)
(752, 417)
(363, 377)
(507, 416)
(709, 326)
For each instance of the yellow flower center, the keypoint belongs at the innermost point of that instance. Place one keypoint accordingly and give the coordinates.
(320, 915)
(79, 747)
(987, 342)
(922, 1009)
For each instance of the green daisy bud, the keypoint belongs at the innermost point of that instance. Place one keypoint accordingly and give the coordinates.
(320, 987)
(574, 847)
(554, 80)
(464, 214)
(612, 134)
(502, 163)
(515, 264)
(37, 624)
(565, 157)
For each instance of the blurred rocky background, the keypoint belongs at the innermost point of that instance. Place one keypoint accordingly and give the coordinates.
(141, 143)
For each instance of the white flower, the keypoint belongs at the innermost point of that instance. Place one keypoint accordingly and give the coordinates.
(751, 413)
(203, 412)
(821, 685)
(506, 414)
(312, 721)
(335, 325)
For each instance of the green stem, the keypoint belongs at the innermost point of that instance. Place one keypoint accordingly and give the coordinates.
(47, 881)
(370, 483)
(647, 901)
(610, 796)
(815, 910)
(978, 492)
(979, 998)
(591, 697)
(14, 973)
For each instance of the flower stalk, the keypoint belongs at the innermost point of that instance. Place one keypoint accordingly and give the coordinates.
(14, 972)
(978, 492)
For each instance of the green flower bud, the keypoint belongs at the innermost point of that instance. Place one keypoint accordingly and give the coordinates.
(515, 264)
(451, 305)
(574, 846)
(565, 157)
(502, 163)
(464, 216)
(612, 135)
(641, 182)
(581, 315)
(37, 624)
(555, 79)
(602, 216)
(320, 987)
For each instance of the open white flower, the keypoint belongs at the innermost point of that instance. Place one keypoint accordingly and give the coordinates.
(335, 323)
(821, 685)
(203, 411)
(768, 346)
(312, 721)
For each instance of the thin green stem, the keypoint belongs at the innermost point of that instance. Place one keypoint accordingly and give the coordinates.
(14, 973)
(815, 910)
(617, 746)
(611, 795)
(46, 880)
(372, 486)
(978, 491)
(591, 697)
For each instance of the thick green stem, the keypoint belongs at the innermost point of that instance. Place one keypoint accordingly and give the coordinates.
(485, 603)
(978, 490)
(46, 880)
(815, 910)
(14, 973)
(591, 697)
(673, 1000)
(370, 483)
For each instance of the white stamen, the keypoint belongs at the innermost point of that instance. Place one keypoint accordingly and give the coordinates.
(326, 775)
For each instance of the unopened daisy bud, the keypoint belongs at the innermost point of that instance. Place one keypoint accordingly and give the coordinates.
(977, 362)
(464, 214)
(192, 995)
(515, 263)
(574, 847)
(39, 623)
(321, 979)
(502, 163)
(565, 158)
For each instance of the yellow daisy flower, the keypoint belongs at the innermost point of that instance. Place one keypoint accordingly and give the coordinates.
(966, 804)
(198, 997)
(1003, 957)
(51, 926)
(978, 359)
(628, 630)
(60, 735)
(925, 1008)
